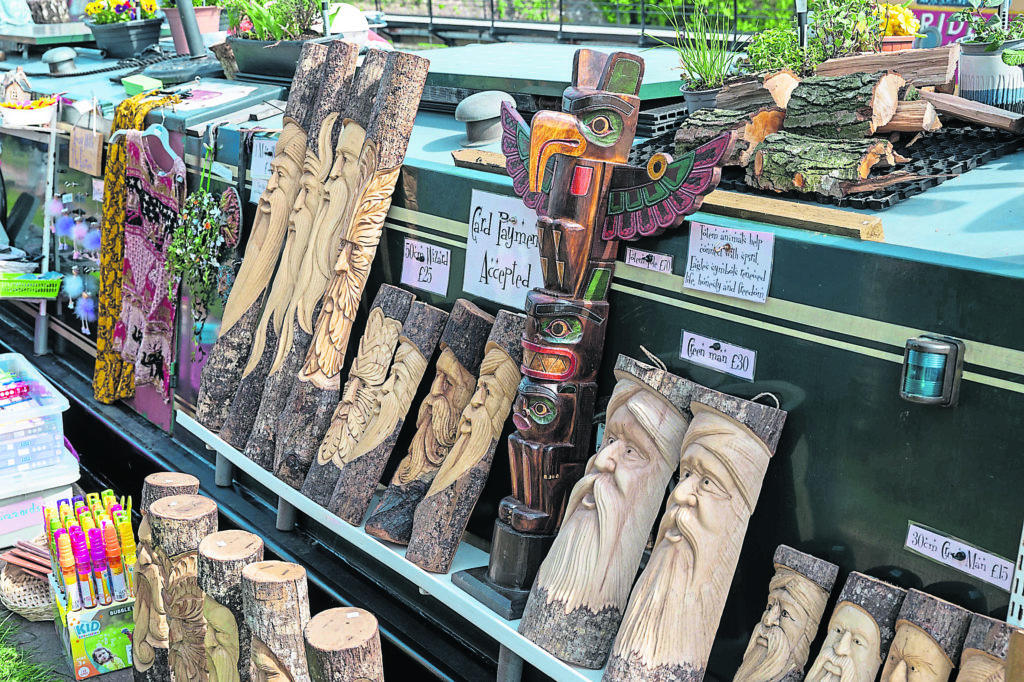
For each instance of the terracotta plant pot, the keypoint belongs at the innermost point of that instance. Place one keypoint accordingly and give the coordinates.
(128, 38)
(208, 19)
(700, 99)
(897, 43)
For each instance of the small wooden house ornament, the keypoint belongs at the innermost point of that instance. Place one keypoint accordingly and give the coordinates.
(16, 87)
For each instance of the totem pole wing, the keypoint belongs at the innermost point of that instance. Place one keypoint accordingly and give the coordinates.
(515, 145)
(647, 201)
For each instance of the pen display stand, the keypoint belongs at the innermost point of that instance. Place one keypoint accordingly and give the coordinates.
(96, 640)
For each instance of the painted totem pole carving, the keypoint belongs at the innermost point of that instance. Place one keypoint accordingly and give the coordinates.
(570, 167)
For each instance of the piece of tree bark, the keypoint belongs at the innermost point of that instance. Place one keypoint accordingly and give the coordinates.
(442, 516)
(275, 600)
(926, 622)
(294, 459)
(462, 349)
(975, 112)
(845, 107)
(344, 644)
(912, 117)
(180, 523)
(149, 661)
(222, 556)
(743, 94)
(224, 365)
(358, 478)
(338, 69)
(934, 66)
(360, 399)
(358, 199)
(786, 161)
(781, 86)
(751, 127)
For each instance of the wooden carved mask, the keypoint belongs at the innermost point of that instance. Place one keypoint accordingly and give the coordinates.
(544, 413)
(851, 651)
(563, 338)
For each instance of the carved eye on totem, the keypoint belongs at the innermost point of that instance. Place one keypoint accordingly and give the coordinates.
(603, 127)
(561, 329)
(541, 410)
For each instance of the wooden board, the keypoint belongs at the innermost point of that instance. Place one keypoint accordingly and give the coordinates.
(975, 112)
(920, 68)
(797, 214)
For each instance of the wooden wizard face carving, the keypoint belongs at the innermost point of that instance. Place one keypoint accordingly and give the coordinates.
(437, 424)
(851, 651)
(563, 338)
(221, 642)
(915, 657)
(781, 641)
(265, 666)
(981, 666)
(151, 629)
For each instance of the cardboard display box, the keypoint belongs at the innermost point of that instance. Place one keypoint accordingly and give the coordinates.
(96, 640)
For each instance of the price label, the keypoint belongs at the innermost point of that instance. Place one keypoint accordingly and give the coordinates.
(649, 260)
(97, 189)
(718, 355)
(957, 554)
(259, 166)
(736, 263)
(425, 266)
(502, 254)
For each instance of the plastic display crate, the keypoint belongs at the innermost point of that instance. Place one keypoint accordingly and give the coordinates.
(18, 285)
(31, 423)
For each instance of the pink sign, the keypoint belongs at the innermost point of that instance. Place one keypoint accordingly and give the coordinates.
(18, 515)
(941, 16)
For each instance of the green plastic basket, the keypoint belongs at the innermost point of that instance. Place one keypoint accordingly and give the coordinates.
(16, 285)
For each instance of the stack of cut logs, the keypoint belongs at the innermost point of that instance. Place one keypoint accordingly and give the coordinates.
(826, 133)
(209, 607)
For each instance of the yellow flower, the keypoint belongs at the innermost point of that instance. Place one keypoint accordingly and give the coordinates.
(148, 6)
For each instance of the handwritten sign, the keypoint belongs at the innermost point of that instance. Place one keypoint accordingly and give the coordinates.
(957, 554)
(502, 254)
(718, 355)
(649, 260)
(21, 514)
(736, 263)
(85, 152)
(97, 189)
(259, 166)
(427, 267)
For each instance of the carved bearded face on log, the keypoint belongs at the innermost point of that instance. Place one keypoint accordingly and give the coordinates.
(915, 657)
(265, 665)
(437, 425)
(850, 652)
(285, 171)
(781, 641)
(151, 629)
(594, 557)
(221, 642)
(980, 666)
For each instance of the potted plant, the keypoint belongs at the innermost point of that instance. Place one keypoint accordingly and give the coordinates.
(984, 74)
(267, 36)
(898, 25)
(207, 16)
(124, 28)
(702, 45)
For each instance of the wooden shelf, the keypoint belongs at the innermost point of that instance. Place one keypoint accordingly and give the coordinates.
(393, 556)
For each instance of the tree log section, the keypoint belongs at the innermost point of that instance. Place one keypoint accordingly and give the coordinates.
(975, 112)
(165, 484)
(786, 161)
(275, 600)
(920, 68)
(180, 523)
(743, 94)
(845, 107)
(464, 337)
(944, 622)
(223, 368)
(912, 117)
(442, 516)
(365, 382)
(358, 479)
(781, 86)
(222, 556)
(751, 127)
(344, 644)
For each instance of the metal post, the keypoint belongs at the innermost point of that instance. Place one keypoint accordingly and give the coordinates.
(561, 19)
(42, 331)
(510, 665)
(224, 475)
(327, 20)
(286, 515)
(190, 26)
(643, 23)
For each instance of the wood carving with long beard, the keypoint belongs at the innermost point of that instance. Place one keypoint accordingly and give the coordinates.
(358, 479)
(183, 599)
(224, 365)
(781, 641)
(985, 650)
(221, 642)
(674, 611)
(442, 516)
(275, 600)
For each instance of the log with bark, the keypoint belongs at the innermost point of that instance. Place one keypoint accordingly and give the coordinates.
(222, 556)
(462, 350)
(751, 127)
(223, 368)
(781, 86)
(744, 93)
(913, 116)
(785, 161)
(180, 523)
(336, 76)
(359, 476)
(945, 623)
(344, 644)
(920, 68)
(843, 107)
(442, 516)
(275, 601)
(975, 112)
(360, 400)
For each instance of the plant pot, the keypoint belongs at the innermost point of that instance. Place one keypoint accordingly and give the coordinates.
(985, 78)
(897, 43)
(208, 19)
(276, 58)
(700, 99)
(126, 39)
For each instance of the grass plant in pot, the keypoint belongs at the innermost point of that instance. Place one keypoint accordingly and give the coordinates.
(702, 45)
(207, 16)
(124, 28)
(988, 74)
(267, 36)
